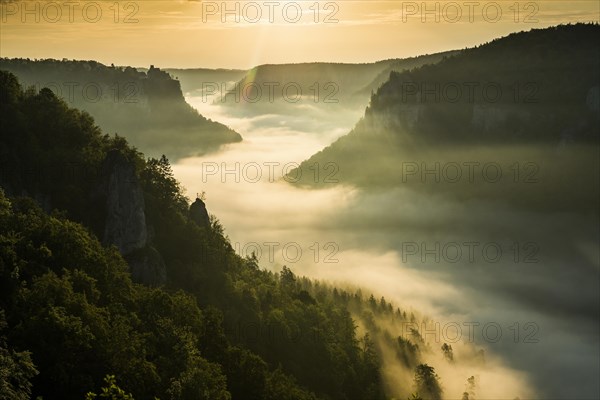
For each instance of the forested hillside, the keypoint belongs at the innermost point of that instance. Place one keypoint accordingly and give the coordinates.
(323, 84)
(107, 271)
(403, 64)
(147, 107)
(526, 104)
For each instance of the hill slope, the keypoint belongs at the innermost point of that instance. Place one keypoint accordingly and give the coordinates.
(529, 98)
(317, 84)
(401, 65)
(193, 80)
(83, 216)
(148, 108)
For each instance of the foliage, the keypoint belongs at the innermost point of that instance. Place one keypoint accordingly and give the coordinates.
(110, 391)
(444, 115)
(16, 369)
(426, 382)
(220, 328)
(147, 107)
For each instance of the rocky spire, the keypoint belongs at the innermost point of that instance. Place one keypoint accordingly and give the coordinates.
(198, 213)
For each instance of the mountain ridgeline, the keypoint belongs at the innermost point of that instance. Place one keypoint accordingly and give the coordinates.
(529, 98)
(320, 84)
(200, 80)
(146, 107)
(110, 279)
(401, 65)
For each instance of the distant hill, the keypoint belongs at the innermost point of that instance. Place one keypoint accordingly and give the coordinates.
(531, 97)
(311, 89)
(193, 80)
(147, 107)
(320, 84)
(540, 85)
(401, 65)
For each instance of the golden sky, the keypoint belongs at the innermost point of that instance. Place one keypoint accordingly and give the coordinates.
(242, 34)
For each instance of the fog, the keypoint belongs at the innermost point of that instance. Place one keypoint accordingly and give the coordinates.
(532, 307)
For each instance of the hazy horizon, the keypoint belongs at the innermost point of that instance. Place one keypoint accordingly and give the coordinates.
(377, 30)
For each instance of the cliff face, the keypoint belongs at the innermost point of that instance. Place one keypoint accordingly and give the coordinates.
(536, 87)
(199, 214)
(480, 121)
(533, 93)
(125, 218)
(125, 225)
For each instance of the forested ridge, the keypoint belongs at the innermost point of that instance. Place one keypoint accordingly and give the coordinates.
(73, 320)
(147, 107)
(528, 98)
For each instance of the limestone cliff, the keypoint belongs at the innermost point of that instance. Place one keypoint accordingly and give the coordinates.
(198, 214)
(125, 218)
(125, 225)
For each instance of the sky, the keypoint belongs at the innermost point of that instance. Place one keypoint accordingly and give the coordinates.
(243, 34)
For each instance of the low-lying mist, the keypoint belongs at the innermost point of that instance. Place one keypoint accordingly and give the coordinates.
(517, 283)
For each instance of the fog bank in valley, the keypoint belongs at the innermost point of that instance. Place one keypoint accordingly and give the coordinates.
(534, 299)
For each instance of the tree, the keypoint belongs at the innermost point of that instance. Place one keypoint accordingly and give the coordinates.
(372, 302)
(407, 352)
(247, 374)
(71, 301)
(287, 277)
(111, 391)
(470, 392)
(371, 370)
(201, 381)
(448, 353)
(160, 184)
(283, 387)
(16, 370)
(426, 382)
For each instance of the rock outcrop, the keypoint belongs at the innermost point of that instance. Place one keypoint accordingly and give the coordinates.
(125, 217)
(198, 214)
(125, 224)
